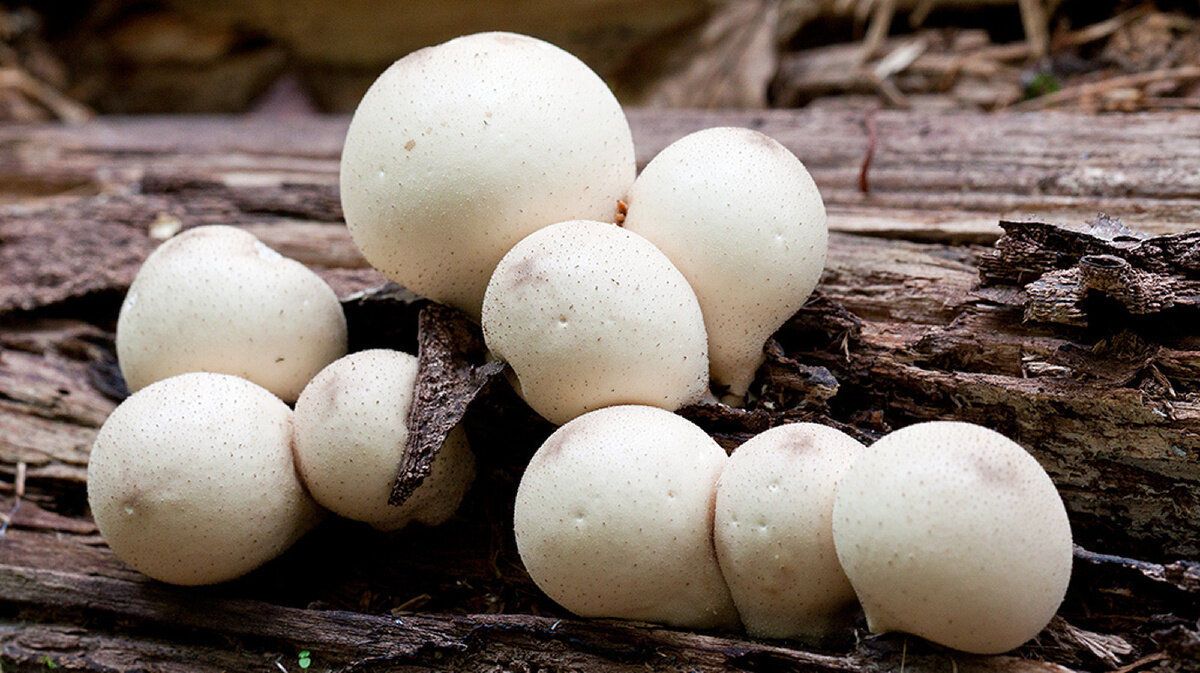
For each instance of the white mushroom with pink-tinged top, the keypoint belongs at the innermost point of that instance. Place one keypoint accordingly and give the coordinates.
(773, 529)
(590, 315)
(613, 518)
(953, 532)
(352, 422)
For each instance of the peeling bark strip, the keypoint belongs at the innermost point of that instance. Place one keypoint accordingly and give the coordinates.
(1062, 266)
(452, 371)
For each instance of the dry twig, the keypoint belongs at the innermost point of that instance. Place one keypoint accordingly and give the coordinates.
(1092, 89)
(64, 108)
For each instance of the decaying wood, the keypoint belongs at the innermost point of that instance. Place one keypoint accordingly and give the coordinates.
(900, 330)
(933, 177)
(254, 631)
(453, 368)
(1144, 275)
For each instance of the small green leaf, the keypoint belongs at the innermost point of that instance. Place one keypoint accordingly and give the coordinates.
(1042, 84)
(305, 659)
(48, 662)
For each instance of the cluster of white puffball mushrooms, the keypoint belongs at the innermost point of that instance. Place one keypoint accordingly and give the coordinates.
(495, 173)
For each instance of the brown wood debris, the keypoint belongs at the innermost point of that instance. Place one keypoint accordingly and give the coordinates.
(453, 368)
(1145, 275)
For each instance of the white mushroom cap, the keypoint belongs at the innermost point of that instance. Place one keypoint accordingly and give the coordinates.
(590, 315)
(217, 299)
(351, 429)
(743, 220)
(191, 479)
(773, 530)
(460, 150)
(613, 518)
(953, 532)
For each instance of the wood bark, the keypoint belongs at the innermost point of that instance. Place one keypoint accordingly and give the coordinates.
(923, 313)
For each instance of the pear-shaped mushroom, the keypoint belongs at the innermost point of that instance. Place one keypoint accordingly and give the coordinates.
(191, 479)
(352, 422)
(741, 218)
(613, 518)
(216, 299)
(590, 315)
(953, 532)
(460, 150)
(773, 529)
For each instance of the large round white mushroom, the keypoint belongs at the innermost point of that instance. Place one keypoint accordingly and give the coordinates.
(352, 422)
(191, 479)
(613, 518)
(774, 533)
(953, 532)
(460, 150)
(590, 315)
(217, 299)
(743, 220)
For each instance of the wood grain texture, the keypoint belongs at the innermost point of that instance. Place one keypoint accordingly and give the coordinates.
(901, 330)
(252, 632)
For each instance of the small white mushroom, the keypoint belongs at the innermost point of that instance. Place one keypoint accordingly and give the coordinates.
(774, 532)
(460, 150)
(613, 518)
(742, 219)
(351, 428)
(191, 479)
(590, 315)
(953, 532)
(217, 299)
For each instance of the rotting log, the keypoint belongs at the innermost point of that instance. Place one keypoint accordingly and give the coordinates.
(107, 616)
(902, 329)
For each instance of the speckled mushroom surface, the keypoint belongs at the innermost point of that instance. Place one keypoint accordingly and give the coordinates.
(613, 518)
(459, 150)
(217, 299)
(773, 529)
(590, 315)
(740, 216)
(351, 428)
(191, 479)
(955, 533)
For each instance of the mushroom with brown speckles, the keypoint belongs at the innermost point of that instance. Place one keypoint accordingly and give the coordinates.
(773, 529)
(216, 299)
(953, 532)
(191, 480)
(613, 518)
(590, 315)
(743, 220)
(460, 150)
(352, 422)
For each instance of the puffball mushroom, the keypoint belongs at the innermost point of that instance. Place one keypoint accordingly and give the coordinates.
(740, 216)
(460, 150)
(773, 529)
(590, 315)
(191, 479)
(217, 299)
(351, 428)
(613, 518)
(953, 532)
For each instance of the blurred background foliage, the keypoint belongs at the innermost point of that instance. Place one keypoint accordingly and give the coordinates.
(69, 59)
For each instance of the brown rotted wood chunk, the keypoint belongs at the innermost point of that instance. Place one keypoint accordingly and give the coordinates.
(452, 371)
